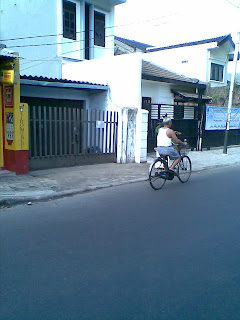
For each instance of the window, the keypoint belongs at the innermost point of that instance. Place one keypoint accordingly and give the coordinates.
(99, 29)
(69, 20)
(216, 72)
(87, 31)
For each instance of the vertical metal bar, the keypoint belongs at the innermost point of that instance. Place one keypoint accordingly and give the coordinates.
(99, 132)
(60, 131)
(64, 131)
(116, 132)
(70, 130)
(110, 133)
(95, 131)
(34, 132)
(45, 131)
(40, 130)
(87, 131)
(90, 132)
(103, 132)
(74, 131)
(81, 131)
(78, 130)
(106, 132)
(55, 132)
(50, 132)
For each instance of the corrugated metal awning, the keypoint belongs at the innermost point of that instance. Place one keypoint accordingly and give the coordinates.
(60, 83)
(151, 71)
(6, 54)
(190, 96)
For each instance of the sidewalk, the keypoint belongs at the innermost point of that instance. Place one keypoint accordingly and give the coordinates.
(56, 183)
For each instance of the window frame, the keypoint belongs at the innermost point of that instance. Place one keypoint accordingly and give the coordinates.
(99, 21)
(70, 8)
(216, 72)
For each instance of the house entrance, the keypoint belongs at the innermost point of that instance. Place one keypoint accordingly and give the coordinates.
(62, 133)
(184, 118)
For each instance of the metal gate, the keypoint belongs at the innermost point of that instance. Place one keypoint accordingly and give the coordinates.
(62, 134)
(184, 121)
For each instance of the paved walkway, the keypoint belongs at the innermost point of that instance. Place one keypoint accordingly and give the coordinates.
(54, 183)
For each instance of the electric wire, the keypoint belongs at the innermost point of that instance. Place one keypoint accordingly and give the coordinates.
(83, 31)
(232, 3)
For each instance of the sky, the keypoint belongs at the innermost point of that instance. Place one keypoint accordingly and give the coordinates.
(165, 22)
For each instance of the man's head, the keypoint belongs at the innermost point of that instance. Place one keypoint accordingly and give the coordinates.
(167, 122)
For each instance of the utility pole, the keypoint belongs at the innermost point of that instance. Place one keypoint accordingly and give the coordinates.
(231, 93)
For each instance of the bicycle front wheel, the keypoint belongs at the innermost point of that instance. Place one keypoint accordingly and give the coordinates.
(157, 178)
(184, 169)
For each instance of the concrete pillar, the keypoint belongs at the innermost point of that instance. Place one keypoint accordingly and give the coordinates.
(132, 136)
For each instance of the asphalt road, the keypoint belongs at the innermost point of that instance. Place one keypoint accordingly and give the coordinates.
(126, 252)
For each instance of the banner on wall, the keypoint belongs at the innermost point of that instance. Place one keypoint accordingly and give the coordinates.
(216, 118)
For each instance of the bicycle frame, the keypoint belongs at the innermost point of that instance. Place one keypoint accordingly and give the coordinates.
(160, 167)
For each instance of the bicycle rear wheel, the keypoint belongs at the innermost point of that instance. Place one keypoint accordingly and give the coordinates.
(184, 169)
(157, 178)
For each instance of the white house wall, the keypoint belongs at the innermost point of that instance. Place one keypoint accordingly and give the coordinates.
(189, 61)
(54, 93)
(16, 22)
(122, 73)
(71, 49)
(98, 100)
(158, 91)
(32, 18)
(67, 48)
(219, 55)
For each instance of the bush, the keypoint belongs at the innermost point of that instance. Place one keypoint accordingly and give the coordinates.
(161, 125)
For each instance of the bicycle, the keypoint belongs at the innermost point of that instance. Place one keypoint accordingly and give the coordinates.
(159, 169)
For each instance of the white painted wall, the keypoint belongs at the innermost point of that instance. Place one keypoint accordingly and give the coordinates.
(192, 61)
(31, 18)
(54, 93)
(189, 61)
(219, 55)
(98, 100)
(122, 74)
(143, 140)
(21, 19)
(158, 91)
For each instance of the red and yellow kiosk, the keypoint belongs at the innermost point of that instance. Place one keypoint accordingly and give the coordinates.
(14, 146)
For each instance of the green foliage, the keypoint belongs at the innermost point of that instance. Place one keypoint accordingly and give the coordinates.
(161, 125)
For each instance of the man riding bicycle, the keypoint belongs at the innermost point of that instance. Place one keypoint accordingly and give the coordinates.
(164, 142)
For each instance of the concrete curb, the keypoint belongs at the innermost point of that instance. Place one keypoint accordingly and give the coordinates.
(6, 202)
(52, 184)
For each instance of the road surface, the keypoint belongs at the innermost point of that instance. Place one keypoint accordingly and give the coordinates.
(126, 252)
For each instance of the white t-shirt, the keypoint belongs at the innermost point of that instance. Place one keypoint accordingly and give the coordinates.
(162, 139)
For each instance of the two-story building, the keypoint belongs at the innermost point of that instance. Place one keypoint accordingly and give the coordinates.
(206, 60)
(73, 83)
(49, 34)
(66, 126)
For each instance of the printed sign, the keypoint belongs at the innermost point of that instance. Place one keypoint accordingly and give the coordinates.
(9, 126)
(8, 97)
(100, 124)
(9, 76)
(216, 118)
